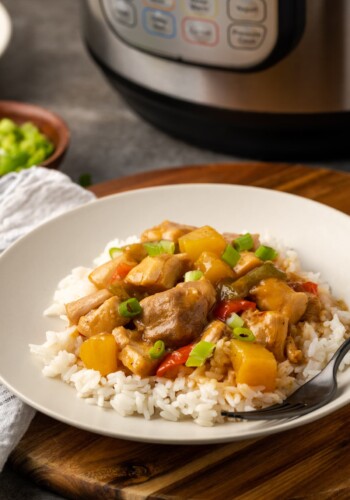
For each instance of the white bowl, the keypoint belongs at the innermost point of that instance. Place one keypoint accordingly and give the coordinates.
(5, 29)
(31, 269)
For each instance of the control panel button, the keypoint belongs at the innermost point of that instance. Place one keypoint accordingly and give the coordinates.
(246, 37)
(159, 23)
(160, 4)
(200, 31)
(123, 12)
(247, 10)
(206, 8)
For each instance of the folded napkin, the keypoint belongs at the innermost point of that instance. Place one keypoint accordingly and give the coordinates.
(27, 199)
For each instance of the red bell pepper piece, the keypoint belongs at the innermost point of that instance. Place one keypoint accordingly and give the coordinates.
(175, 358)
(121, 271)
(226, 307)
(310, 287)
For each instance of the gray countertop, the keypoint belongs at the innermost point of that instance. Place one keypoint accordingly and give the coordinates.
(47, 64)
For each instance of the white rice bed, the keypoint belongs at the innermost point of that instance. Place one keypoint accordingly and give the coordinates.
(195, 397)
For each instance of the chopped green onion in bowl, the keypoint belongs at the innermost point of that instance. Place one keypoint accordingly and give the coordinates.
(22, 146)
(266, 253)
(154, 248)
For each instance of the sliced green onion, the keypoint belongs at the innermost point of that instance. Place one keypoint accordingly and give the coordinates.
(230, 256)
(243, 334)
(234, 321)
(114, 251)
(193, 275)
(244, 242)
(200, 353)
(154, 248)
(266, 253)
(157, 350)
(130, 308)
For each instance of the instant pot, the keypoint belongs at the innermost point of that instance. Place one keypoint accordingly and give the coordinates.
(265, 79)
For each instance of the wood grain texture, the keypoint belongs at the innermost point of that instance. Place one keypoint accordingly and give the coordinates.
(311, 462)
(327, 186)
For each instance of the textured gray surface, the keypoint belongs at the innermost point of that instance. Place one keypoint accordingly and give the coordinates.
(47, 64)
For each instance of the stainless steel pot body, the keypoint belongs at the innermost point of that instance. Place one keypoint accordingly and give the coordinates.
(313, 77)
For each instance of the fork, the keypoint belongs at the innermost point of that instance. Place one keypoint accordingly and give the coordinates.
(316, 393)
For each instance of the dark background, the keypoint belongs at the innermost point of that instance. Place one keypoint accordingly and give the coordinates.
(47, 64)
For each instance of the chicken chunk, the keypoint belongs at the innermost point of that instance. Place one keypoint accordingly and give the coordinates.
(82, 306)
(313, 309)
(103, 319)
(177, 316)
(214, 331)
(134, 353)
(166, 231)
(275, 295)
(247, 262)
(123, 336)
(159, 273)
(270, 329)
(294, 354)
(136, 358)
(102, 276)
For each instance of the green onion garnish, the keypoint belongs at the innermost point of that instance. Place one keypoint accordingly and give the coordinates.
(244, 242)
(243, 334)
(266, 253)
(130, 308)
(234, 321)
(154, 248)
(200, 353)
(230, 256)
(193, 275)
(157, 350)
(114, 251)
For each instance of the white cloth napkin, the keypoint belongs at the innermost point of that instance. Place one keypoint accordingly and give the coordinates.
(27, 199)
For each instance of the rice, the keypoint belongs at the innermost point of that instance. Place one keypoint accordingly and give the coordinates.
(210, 389)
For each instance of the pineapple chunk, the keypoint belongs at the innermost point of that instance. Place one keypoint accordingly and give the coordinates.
(213, 268)
(200, 240)
(254, 364)
(100, 353)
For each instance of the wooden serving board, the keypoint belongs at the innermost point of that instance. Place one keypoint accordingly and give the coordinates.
(310, 462)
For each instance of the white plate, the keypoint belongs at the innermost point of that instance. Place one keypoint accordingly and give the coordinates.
(5, 28)
(31, 269)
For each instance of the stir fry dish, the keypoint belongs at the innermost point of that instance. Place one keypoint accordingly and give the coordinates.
(162, 305)
(187, 321)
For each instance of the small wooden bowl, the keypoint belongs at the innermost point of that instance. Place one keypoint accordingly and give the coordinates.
(51, 125)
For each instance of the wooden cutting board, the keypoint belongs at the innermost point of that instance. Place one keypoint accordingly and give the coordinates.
(310, 462)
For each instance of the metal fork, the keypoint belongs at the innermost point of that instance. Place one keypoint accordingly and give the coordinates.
(316, 393)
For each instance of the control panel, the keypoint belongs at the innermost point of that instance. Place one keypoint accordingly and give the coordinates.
(221, 33)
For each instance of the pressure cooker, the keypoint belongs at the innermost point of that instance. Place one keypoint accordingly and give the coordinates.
(265, 79)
